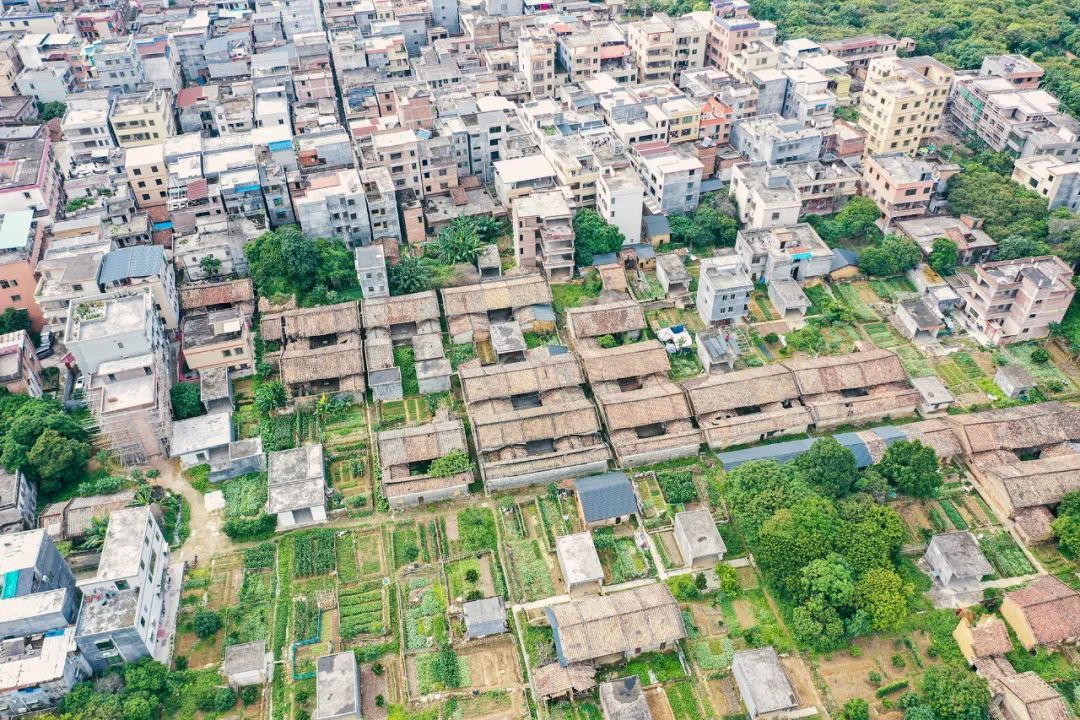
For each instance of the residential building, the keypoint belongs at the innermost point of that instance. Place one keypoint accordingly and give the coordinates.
(766, 197)
(794, 252)
(138, 266)
(148, 175)
(20, 369)
(247, 664)
(18, 502)
(698, 539)
(381, 204)
(763, 683)
(129, 400)
(484, 617)
(973, 245)
(124, 615)
(116, 64)
(208, 440)
(902, 103)
(21, 242)
(31, 181)
(859, 51)
(406, 456)
(620, 195)
(334, 204)
(86, 130)
(399, 152)
(113, 326)
(776, 140)
(522, 176)
(900, 185)
(732, 30)
(544, 234)
(915, 319)
(297, 487)
(823, 187)
(321, 350)
(956, 562)
(144, 118)
(579, 564)
(1045, 613)
(371, 269)
(219, 338)
(724, 290)
(405, 320)
(672, 179)
(994, 110)
(536, 60)
(1013, 300)
(337, 687)
(1051, 177)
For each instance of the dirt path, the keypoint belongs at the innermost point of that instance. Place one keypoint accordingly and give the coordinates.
(207, 537)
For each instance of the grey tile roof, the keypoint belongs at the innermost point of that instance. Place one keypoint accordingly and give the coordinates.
(606, 496)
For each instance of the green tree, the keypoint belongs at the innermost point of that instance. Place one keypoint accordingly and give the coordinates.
(794, 537)
(270, 396)
(953, 692)
(829, 467)
(210, 265)
(912, 468)
(817, 625)
(48, 111)
(1006, 208)
(855, 220)
(139, 707)
(1067, 529)
(856, 709)
(186, 400)
(1017, 246)
(829, 578)
(593, 236)
(146, 675)
(759, 488)
(728, 578)
(884, 596)
(459, 242)
(1040, 356)
(95, 534)
(14, 320)
(55, 459)
(206, 623)
(893, 255)
(284, 261)
(408, 276)
(872, 536)
(943, 256)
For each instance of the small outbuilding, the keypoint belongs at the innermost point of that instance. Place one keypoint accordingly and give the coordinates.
(698, 539)
(247, 664)
(581, 569)
(484, 617)
(986, 639)
(657, 229)
(215, 389)
(717, 351)
(763, 683)
(956, 561)
(508, 342)
(554, 680)
(916, 320)
(606, 499)
(623, 699)
(337, 687)
(673, 276)
(488, 263)
(935, 398)
(1014, 381)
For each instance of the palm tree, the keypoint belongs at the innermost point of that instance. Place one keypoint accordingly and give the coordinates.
(143, 495)
(95, 536)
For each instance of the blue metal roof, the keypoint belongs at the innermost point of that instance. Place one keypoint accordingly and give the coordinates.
(781, 452)
(606, 496)
(657, 225)
(137, 261)
(843, 258)
(857, 447)
(544, 312)
(554, 623)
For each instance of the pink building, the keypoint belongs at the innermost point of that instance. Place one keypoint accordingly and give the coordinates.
(21, 247)
(732, 29)
(899, 184)
(20, 370)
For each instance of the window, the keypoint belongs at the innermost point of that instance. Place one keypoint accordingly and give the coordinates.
(121, 584)
(16, 298)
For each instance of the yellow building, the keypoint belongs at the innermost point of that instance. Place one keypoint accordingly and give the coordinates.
(141, 119)
(902, 103)
(147, 175)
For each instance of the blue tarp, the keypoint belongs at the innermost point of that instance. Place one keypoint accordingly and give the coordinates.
(281, 145)
(250, 187)
(167, 225)
(11, 584)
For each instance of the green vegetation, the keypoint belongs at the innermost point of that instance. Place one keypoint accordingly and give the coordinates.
(38, 437)
(450, 464)
(892, 256)
(361, 611)
(245, 496)
(853, 225)
(186, 401)
(285, 262)
(314, 553)
(704, 228)
(409, 275)
(593, 236)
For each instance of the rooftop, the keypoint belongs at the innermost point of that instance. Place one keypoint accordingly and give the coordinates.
(337, 685)
(578, 558)
(201, 433)
(761, 676)
(701, 533)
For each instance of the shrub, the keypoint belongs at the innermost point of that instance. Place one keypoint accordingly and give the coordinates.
(256, 528)
(898, 661)
(450, 464)
(678, 487)
(377, 669)
(874, 677)
(224, 699)
(249, 694)
(379, 701)
(729, 579)
(473, 595)
(1040, 356)
(606, 341)
(471, 575)
(856, 709)
(207, 622)
(771, 338)
(700, 581)
(181, 662)
(186, 401)
(892, 687)
(684, 588)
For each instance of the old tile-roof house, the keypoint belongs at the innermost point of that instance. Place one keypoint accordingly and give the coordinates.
(858, 387)
(987, 638)
(581, 570)
(531, 420)
(956, 561)
(648, 417)
(71, 519)
(470, 309)
(610, 627)
(1026, 696)
(218, 296)
(763, 683)
(1046, 612)
(297, 487)
(406, 455)
(484, 617)
(1014, 380)
(321, 350)
(747, 406)
(554, 680)
(698, 539)
(606, 499)
(404, 321)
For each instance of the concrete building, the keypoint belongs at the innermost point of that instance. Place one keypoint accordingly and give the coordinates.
(143, 266)
(776, 140)
(1014, 300)
(619, 198)
(247, 664)
(20, 369)
(623, 699)
(544, 234)
(998, 112)
(337, 687)
(794, 252)
(917, 320)
(858, 52)
(1051, 177)
(333, 204)
(297, 487)
(672, 179)
(1014, 381)
(21, 241)
(579, 564)
(956, 562)
(522, 176)
(144, 118)
(698, 539)
(902, 103)
(973, 245)
(113, 326)
(208, 440)
(39, 588)
(901, 186)
(763, 683)
(18, 502)
(124, 615)
(724, 290)
(536, 60)
(766, 197)
(147, 174)
(371, 270)
(732, 30)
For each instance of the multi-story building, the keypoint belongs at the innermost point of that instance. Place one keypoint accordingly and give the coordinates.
(652, 44)
(1051, 177)
(536, 60)
(544, 234)
(1022, 72)
(902, 103)
(189, 42)
(1015, 300)
(672, 179)
(219, 338)
(160, 65)
(143, 266)
(147, 174)
(125, 608)
(370, 263)
(10, 67)
(766, 196)
(18, 497)
(21, 240)
(776, 140)
(724, 290)
(68, 271)
(901, 186)
(619, 198)
(858, 52)
(142, 118)
(807, 98)
(823, 187)
(997, 112)
(399, 152)
(334, 205)
(115, 64)
(522, 176)
(793, 252)
(86, 130)
(116, 326)
(381, 204)
(20, 369)
(30, 181)
(732, 29)
(100, 24)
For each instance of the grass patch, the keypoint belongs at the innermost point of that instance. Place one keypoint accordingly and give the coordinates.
(405, 359)
(651, 667)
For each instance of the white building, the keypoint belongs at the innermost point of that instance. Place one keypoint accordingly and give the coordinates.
(297, 492)
(619, 198)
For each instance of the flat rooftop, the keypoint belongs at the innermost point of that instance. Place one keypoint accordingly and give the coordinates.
(578, 558)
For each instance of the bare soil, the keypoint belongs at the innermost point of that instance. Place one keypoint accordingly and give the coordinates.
(373, 685)
(846, 677)
(724, 696)
(658, 704)
(671, 548)
(803, 680)
(744, 612)
(493, 665)
(915, 517)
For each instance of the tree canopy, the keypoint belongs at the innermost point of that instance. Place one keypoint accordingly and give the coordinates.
(40, 438)
(943, 256)
(593, 236)
(892, 256)
(408, 276)
(186, 400)
(459, 242)
(829, 467)
(14, 320)
(284, 261)
(854, 221)
(706, 227)
(1007, 209)
(912, 468)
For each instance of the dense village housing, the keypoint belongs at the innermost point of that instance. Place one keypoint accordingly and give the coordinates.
(546, 359)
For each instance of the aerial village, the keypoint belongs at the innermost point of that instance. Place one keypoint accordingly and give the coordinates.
(534, 359)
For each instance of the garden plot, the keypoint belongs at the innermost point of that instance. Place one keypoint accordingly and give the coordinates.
(585, 710)
(1052, 382)
(408, 545)
(620, 555)
(370, 555)
(654, 507)
(893, 290)
(424, 612)
(314, 553)
(437, 671)
(385, 684)
(847, 676)
(559, 515)
(1004, 554)
(364, 611)
(226, 579)
(470, 579)
(493, 664)
(670, 317)
(530, 567)
(475, 532)
(849, 295)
